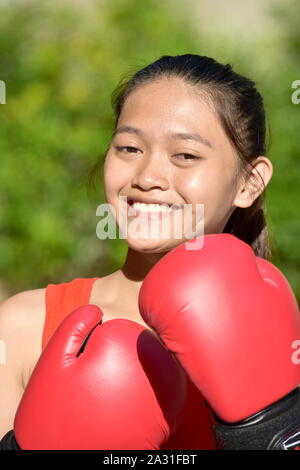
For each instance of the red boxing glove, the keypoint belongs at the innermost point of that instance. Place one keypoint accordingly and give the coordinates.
(118, 388)
(231, 319)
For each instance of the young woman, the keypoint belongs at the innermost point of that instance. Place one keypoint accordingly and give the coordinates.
(188, 130)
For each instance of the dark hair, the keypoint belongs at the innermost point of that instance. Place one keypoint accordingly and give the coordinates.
(241, 112)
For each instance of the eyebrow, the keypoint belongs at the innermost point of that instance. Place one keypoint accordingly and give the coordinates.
(175, 135)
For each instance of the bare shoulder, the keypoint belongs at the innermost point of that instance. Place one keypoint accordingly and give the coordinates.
(22, 318)
(23, 309)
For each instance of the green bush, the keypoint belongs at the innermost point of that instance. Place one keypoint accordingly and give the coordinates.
(60, 63)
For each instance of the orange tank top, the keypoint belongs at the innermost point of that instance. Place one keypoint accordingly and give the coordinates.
(194, 431)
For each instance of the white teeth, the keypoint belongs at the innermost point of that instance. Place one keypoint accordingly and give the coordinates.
(140, 206)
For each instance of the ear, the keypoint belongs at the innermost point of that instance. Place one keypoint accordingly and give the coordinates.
(254, 183)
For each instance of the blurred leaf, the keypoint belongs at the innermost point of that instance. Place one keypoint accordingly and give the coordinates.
(60, 63)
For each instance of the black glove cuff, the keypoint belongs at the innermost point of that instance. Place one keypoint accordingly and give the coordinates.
(8, 442)
(274, 428)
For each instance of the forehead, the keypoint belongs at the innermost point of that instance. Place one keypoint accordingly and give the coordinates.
(171, 105)
(168, 96)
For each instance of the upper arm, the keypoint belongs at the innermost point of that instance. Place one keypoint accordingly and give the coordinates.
(21, 317)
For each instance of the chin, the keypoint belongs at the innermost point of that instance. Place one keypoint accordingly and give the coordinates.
(153, 245)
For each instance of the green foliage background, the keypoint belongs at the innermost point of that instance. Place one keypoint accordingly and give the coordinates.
(60, 63)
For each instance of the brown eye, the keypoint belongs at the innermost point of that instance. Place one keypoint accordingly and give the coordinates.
(120, 149)
(189, 156)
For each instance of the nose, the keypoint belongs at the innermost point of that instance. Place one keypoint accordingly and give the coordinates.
(152, 173)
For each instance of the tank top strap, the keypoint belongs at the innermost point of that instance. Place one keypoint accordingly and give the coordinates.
(62, 299)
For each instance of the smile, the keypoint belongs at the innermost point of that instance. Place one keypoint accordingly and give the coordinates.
(152, 207)
(145, 207)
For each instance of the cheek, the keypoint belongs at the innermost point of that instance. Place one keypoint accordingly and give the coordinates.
(114, 178)
(109, 180)
(218, 204)
(198, 187)
(213, 188)
(210, 182)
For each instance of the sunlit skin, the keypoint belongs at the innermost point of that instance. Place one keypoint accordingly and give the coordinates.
(152, 164)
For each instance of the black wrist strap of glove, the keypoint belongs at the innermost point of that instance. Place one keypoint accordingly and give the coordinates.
(274, 428)
(8, 442)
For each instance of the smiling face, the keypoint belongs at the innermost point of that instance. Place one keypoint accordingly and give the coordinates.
(146, 160)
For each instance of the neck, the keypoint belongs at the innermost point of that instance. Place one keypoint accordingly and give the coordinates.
(129, 278)
(137, 265)
(127, 281)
